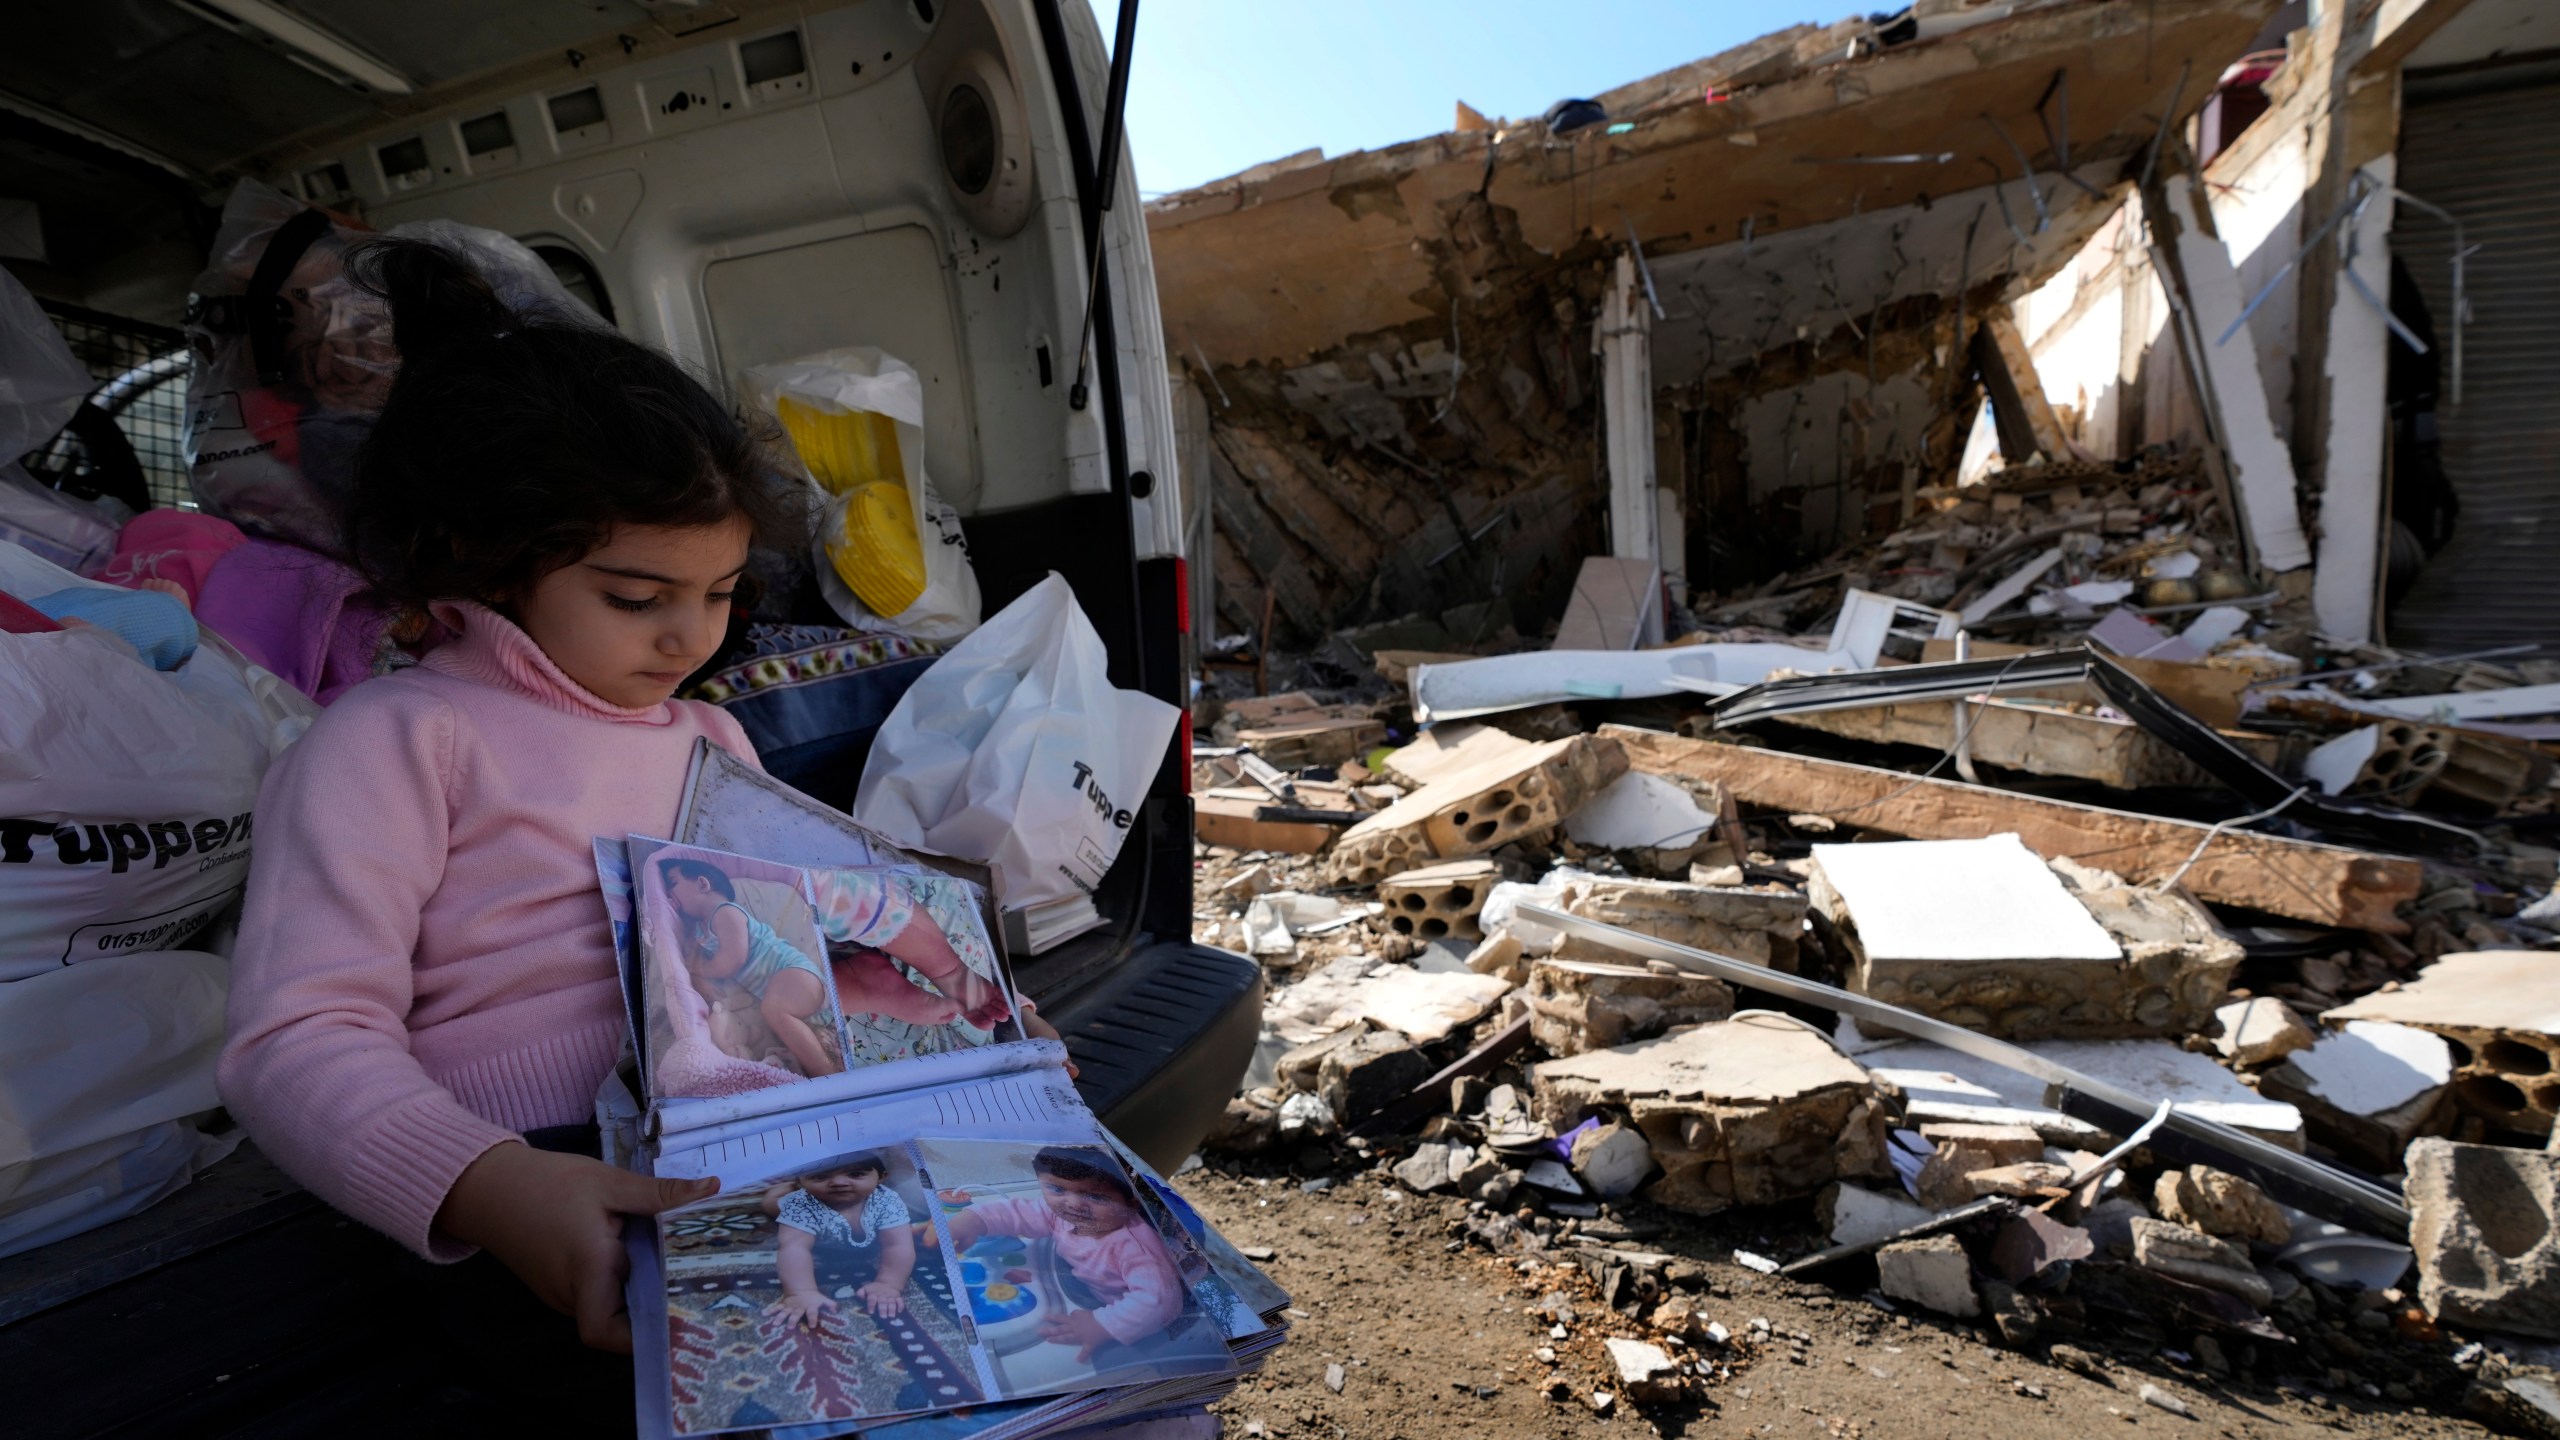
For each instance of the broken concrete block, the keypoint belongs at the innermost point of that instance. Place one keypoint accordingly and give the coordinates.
(1761, 926)
(1247, 1126)
(2033, 1180)
(2155, 1068)
(1856, 1215)
(1438, 900)
(1984, 934)
(1372, 1070)
(1426, 1005)
(2110, 1224)
(1934, 1273)
(1645, 1372)
(1960, 1151)
(1236, 821)
(1738, 1112)
(2260, 1029)
(1501, 956)
(2368, 1089)
(1613, 1160)
(1654, 823)
(1582, 1005)
(1298, 1067)
(2515, 1397)
(2481, 1220)
(2502, 1008)
(1427, 1168)
(2034, 1242)
(1327, 739)
(2217, 1203)
(1305, 1117)
(2197, 1258)
(1477, 809)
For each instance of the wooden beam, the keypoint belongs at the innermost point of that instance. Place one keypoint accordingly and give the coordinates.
(2303, 880)
(2019, 409)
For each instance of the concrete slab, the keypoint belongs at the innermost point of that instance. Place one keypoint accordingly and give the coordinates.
(1577, 1006)
(2368, 1089)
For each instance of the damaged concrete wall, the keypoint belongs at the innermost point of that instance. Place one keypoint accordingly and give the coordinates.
(1403, 336)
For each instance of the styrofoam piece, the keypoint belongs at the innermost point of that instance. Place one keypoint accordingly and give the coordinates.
(2180, 565)
(2371, 1066)
(2130, 635)
(1465, 688)
(2335, 764)
(1990, 601)
(1639, 811)
(2474, 704)
(2086, 596)
(1986, 899)
(2153, 1068)
(2215, 626)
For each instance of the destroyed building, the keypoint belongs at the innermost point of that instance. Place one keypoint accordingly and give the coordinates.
(1940, 614)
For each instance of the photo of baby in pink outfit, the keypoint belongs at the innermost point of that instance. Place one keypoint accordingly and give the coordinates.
(1061, 1269)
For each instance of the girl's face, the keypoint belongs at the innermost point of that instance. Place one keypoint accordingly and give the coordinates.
(841, 1189)
(637, 614)
(1090, 1207)
(692, 896)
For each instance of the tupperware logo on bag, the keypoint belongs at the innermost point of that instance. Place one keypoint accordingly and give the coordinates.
(127, 845)
(1102, 806)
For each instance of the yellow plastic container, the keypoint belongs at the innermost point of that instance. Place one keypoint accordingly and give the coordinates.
(876, 550)
(843, 451)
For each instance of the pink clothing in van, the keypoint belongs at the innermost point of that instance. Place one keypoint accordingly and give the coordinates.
(1130, 1268)
(424, 966)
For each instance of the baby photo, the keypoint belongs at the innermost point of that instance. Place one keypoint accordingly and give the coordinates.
(801, 1301)
(1067, 1280)
(733, 964)
(914, 968)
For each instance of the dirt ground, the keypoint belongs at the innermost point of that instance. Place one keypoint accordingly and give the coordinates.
(1404, 1328)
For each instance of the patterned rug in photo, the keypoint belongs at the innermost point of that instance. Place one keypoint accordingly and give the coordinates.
(735, 1367)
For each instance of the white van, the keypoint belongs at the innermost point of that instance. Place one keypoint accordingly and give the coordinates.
(737, 181)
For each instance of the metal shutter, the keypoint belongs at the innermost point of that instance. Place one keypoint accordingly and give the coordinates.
(2489, 157)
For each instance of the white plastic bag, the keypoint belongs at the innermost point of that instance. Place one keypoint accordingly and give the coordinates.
(126, 793)
(1016, 749)
(99, 1066)
(41, 382)
(860, 380)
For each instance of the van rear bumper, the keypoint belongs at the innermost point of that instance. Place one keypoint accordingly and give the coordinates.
(1161, 1046)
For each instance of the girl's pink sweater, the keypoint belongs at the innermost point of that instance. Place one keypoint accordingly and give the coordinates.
(424, 966)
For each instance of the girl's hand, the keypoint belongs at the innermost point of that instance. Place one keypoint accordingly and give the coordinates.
(1080, 1328)
(556, 1221)
(803, 1308)
(883, 1299)
(1038, 1027)
(953, 1197)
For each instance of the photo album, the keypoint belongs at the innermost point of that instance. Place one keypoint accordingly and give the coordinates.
(921, 1231)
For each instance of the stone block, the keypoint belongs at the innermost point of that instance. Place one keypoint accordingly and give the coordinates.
(1501, 956)
(1960, 1151)
(2197, 1258)
(1430, 1167)
(1581, 1005)
(1761, 926)
(2032, 1180)
(2259, 1030)
(1737, 1112)
(2501, 1010)
(2368, 1089)
(1646, 1373)
(1368, 1072)
(1477, 808)
(2482, 1224)
(1856, 1215)
(1613, 1160)
(2221, 1204)
(1934, 1273)
(1438, 900)
(1985, 935)
(1328, 738)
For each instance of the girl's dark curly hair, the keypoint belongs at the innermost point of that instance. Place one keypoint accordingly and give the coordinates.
(514, 442)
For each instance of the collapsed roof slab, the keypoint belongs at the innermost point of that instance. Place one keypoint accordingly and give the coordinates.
(1291, 265)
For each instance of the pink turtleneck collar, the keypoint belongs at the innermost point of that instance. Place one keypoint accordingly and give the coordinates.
(489, 649)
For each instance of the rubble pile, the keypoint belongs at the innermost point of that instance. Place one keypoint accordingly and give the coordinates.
(2376, 1006)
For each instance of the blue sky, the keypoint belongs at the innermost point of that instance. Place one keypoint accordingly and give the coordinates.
(1223, 84)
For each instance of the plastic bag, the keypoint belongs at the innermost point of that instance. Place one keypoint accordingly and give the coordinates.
(1015, 749)
(99, 1065)
(126, 794)
(889, 553)
(70, 533)
(41, 382)
(293, 359)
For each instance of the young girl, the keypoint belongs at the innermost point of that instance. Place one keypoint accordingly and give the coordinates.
(839, 1215)
(724, 945)
(1087, 1211)
(424, 979)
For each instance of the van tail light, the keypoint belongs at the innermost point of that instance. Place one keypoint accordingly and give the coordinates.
(1182, 626)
